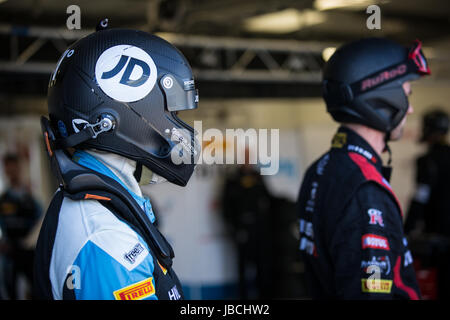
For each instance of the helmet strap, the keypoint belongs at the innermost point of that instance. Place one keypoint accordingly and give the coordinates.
(387, 170)
(138, 172)
(90, 131)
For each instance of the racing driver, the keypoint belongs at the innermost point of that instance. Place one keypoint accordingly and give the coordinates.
(112, 127)
(351, 229)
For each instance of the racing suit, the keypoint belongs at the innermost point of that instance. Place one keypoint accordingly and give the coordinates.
(430, 210)
(86, 252)
(351, 230)
(431, 203)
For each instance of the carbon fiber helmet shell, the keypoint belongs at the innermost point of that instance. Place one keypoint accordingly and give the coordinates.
(381, 108)
(121, 74)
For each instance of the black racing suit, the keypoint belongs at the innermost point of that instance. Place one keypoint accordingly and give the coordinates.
(351, 230)
(430, 207)
(431, 202)
(19, 211)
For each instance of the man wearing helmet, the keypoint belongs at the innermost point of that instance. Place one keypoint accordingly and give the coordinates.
(428, 220)
(113, 127)
(351, 231)
(431, 204)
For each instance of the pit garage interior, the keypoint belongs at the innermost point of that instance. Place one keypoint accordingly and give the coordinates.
(257, 64)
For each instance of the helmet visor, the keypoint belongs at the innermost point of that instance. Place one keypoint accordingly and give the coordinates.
(179, 96)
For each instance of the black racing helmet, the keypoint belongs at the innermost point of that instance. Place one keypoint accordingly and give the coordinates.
(119, 91)
(434, 122)
(362, 81)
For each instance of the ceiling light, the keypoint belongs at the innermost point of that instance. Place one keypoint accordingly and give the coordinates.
(347, 4)
(285, 21)
(327, 53)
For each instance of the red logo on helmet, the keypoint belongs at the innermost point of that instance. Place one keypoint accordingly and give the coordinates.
(383, 76)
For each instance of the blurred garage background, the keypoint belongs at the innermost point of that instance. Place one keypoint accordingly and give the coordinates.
(257, 65)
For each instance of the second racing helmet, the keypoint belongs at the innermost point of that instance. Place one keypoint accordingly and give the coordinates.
(362, 81)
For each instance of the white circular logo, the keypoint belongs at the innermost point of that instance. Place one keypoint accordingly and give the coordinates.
(125, 73)
(168, 82)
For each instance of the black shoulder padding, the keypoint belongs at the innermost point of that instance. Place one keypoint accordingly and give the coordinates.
(42, 256)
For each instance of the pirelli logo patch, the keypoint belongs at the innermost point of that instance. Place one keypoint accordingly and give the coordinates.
(376, 285)
(137, 291)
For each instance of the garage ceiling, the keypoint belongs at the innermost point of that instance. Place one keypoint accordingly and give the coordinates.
(345, 19)
(270, 41)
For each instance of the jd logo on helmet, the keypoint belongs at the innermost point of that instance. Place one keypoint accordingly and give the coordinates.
(125, 73)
